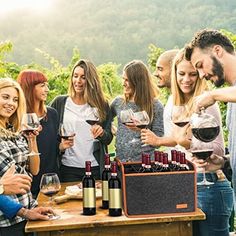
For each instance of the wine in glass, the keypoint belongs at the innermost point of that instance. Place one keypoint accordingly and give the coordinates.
(49, 186)
(92, 117)
(180, 116)
(66, 131)
(29, 124)
(141, 120)
(202, 150)
(126, 116)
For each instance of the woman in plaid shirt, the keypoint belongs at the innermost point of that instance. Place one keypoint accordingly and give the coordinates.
(13, 150)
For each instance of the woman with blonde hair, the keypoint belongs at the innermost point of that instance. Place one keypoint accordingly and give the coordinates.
(140, 94)
(13, 151)
(85, 92)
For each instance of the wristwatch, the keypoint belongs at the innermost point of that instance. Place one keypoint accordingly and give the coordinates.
(1, 189)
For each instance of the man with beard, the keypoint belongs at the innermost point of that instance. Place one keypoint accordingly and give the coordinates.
(213, 55)
(163, 75)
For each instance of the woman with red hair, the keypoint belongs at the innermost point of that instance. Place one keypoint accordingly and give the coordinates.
(35, 86)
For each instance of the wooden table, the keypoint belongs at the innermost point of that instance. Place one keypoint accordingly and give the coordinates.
(73, 223)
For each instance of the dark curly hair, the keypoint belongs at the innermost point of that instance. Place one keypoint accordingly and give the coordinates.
(207, 38)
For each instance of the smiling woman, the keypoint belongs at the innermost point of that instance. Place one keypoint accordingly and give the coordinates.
(13, 5)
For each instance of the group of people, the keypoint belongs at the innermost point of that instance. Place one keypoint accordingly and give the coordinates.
(210, 56)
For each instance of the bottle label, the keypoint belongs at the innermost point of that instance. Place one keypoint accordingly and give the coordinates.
(89, 197)
(114, 198)
(105, 194)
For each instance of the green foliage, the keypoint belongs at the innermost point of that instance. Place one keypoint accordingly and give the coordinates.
(111, 82)
(153, 54)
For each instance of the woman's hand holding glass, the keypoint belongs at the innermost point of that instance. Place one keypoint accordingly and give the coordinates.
(150, 138)
(67, 134)
(30, 126)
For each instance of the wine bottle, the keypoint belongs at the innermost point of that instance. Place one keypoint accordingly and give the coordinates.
(105, 177)
(165, 167)
(156, 166)
(114, 192)
(147, 167)
(173, 165)
(141, 169)
(89, 197)
(183, 164)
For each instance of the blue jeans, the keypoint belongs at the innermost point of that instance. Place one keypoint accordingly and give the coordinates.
(216, 201)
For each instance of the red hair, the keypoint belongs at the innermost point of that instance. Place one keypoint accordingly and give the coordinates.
(27, 80)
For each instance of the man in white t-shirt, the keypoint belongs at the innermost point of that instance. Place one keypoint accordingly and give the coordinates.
(163, 75)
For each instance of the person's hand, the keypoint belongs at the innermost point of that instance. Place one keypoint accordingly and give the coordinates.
(15, 183)
(148, 137)
(97, 130)
(211, 164)
(66, 143)
(203, 101)
(38, 213)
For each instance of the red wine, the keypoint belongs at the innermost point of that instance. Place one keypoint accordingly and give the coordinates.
(173, 164)
(89, 194)
(181, 124)
(49, 193)
(92, 122)
(141, 126)
(66, 136)
(28, 131)
(114, 185)
(208, 134)
(202, 154)
(105, 177)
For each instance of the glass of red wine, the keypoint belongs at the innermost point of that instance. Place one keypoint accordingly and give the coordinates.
(92, 117)
(29, 124)
(66, 131)
(141, 120)
(49, 186)
(180, 117)
(202, 150)
(204, 126)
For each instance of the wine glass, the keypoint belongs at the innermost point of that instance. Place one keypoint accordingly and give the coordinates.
(141, 120)
(181, 118)
(204, 126)
(92, 117)
(66, 131)
(29, 124)
(49, 186)
(202, 150)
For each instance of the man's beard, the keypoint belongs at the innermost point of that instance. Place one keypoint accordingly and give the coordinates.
(218, 71)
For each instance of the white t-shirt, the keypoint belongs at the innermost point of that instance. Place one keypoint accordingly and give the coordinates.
(82, 149)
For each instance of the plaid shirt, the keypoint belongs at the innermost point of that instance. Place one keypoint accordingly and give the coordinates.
(13, 150)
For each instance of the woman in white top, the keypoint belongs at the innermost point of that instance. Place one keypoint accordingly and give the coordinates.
(84, 93)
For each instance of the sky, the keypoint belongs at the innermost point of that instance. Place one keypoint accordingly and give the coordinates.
(9, 6)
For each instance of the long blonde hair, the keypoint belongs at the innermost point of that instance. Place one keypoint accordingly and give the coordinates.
(15, 119)
(178, 95)
(141, 83)
(93, 94)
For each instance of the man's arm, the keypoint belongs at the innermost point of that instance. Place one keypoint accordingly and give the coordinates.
(209, 98)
